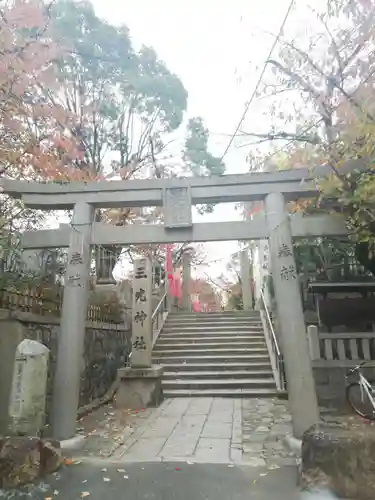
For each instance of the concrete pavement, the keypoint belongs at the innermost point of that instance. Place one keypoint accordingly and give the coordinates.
(164, 481)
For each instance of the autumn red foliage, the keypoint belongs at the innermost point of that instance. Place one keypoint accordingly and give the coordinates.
(37, 142)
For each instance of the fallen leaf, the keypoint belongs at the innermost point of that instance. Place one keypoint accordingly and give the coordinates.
(85, 494)
(104, 470)
(143, 409)
(47, 498)
(263, 474)
(254, 481)
(121, 470)
(190, 463)
(84, 481)
(56, 492)
(68, 461)
(106, 479)
(126, 477)
(230, 465)
(178, 468)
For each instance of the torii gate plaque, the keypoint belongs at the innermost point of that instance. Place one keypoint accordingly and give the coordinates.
(177, 207)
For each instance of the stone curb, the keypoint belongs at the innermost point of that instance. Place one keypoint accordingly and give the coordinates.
(74, 443)
(293, 444)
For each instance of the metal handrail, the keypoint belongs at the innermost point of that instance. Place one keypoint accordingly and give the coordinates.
(161, 302)
(159, 316)
(274, 338)
(276, 357)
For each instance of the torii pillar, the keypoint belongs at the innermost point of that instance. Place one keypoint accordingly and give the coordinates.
(186, 281)
(245, 273)
(299, 375)
(71, 338)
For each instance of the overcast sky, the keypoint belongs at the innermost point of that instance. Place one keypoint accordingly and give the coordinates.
(214, 46)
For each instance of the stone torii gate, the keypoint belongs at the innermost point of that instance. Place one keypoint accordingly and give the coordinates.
(177, 196)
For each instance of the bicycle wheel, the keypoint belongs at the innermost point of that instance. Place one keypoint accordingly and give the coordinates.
(360, 401)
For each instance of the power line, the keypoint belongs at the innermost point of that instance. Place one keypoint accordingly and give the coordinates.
(259, 79)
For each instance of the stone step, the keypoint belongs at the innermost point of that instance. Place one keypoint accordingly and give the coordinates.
(217, 367)
(217, 374)
(245, 383)
(242, 322)
(217, 350)
(211, 331)
(222, 339)
(221, 393)
(226, 314)
(214, 319)
(220, 354)
(160, 346)
(210, 328)
(214, 324)
(183, 359)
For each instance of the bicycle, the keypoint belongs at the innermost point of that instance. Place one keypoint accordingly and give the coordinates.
(366, 390)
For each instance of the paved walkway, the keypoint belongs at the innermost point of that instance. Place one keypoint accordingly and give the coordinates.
(164, 481)
(195, 448)
(199, 430)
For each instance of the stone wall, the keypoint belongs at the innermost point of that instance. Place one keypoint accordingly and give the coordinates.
(330, 382)
(107, 347)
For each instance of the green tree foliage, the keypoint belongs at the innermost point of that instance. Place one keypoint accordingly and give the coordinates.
(196, 155)
(125, 100)
(198, 160)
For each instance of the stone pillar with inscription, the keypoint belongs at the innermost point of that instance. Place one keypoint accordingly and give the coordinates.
(29, 387)
(186, 281)
(142, 312)
(140, 384)
(247, 296)
(73, 325)
(299, 375)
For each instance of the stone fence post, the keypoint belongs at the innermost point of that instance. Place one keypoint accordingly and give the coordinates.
(28, 392)
(313, 340)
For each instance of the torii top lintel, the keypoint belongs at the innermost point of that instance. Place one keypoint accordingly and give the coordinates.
(294, 184)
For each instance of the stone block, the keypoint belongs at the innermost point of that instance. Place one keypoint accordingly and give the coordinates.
(217, 430)
(25, 459)
(337, 375)
(321, 375)
(29, 384)
(180, 444)
(341, 459)
(139, 387)
(12, 333)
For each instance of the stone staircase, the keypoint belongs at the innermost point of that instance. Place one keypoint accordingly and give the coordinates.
(214, 354)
